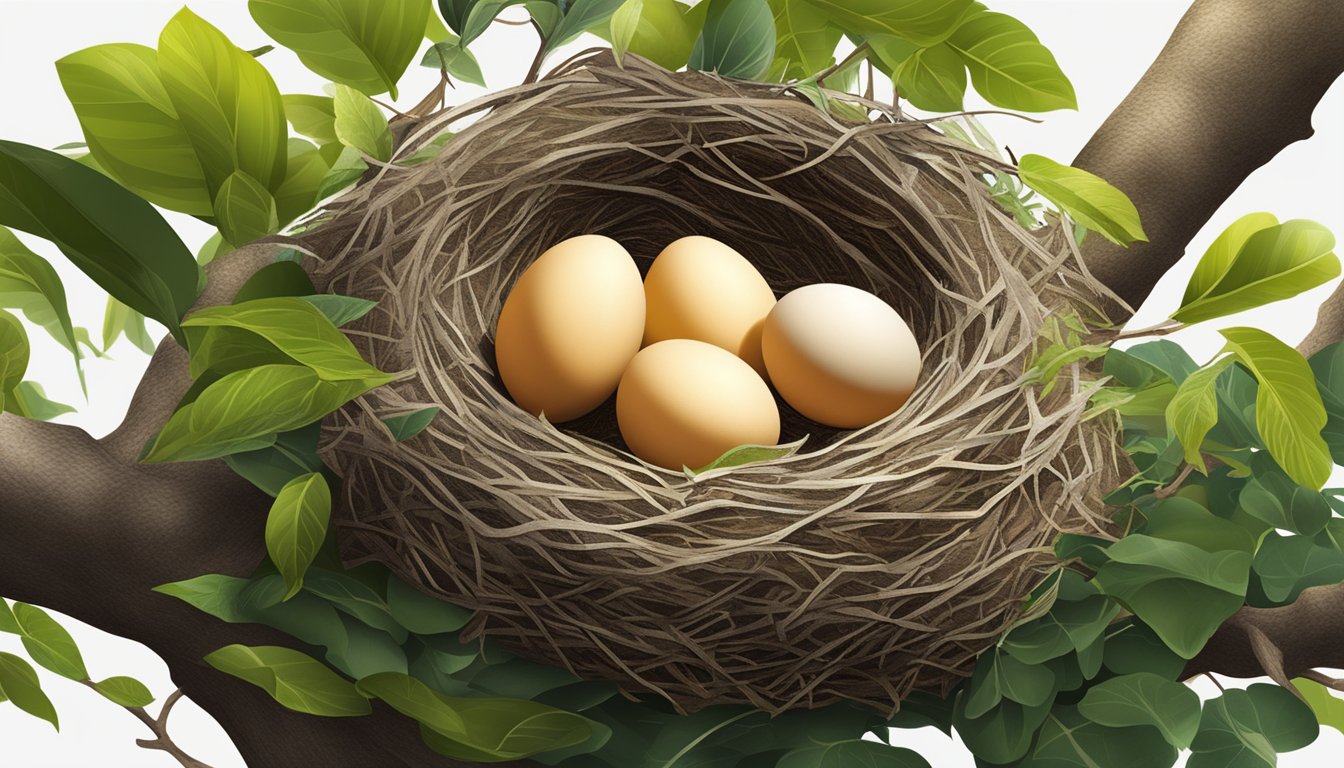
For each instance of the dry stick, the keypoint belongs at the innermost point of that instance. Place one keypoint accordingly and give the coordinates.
(159, 726)
(1316, 676)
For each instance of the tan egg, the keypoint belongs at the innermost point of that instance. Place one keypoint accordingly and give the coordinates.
(840, 355)
(684, 403)
(699, 288)
(569, 327)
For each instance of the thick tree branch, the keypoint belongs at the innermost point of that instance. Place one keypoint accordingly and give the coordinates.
(1236, 83)
(1309, 633)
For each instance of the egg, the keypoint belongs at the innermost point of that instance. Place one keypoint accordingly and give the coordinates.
(698, 288)
(570, 325)
(684, 403)
(840, 355)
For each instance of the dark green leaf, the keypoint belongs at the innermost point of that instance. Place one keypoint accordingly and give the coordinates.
(126, 691)
(360, 124)
(451, 57)
(1273, 497)
(580, 16)
(294, 679)
(29, 284)
(1272, 262)
(1181, 519)
(1288, 407)
(1144, 698)
(132, 127)
(361, 650)
(1067, 740)
(1085, 197)
(347, 169)
(408, 425)
(844, 754)
(1008, 65)
(18, 684)
(1136, 648)
(293, 454)
(1142, 364)
(738, 39)
(1328, 367)
(1246, 729)
(352, 596)
(14, 353)
(1287, 565)
(340, 310)
(477, 17)
(277, 280)
(919, 21)
(366, 44)
(114, 237)
(421, 614)
(245, 210)
(296, 527)
(1002, 736)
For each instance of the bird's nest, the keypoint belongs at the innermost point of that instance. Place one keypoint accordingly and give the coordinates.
(868, 564)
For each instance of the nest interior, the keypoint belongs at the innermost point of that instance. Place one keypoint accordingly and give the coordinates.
(869, 563)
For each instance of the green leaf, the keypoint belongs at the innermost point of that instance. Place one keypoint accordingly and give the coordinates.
(1183, 592)
(1180, 519)
(213, 248)
(18, 684)
(422, 614)
(1328, 707)
(804, 38)
(365, 44)
(1287, 565)
(1008, 65)
(1193, 411)
(132, 127)
(1247, 729)
(1136, 648)
(738, 39)
(215, 594)
(296, 527)
(295, 680)
(294, 327)
(413, 699)
(360, 124)
(844, 754)
(624, 23)
(665, 32)
(1067, 739)
(306, 169)
(750, 454)
(408, 425)
(312, 116)
(478, 16)
(245, 410)
(361, 650)
(245, 210)
(347, 169)
(1085, 197)
(276, 280)
(114, 237)
(1146, 363)
(1002, 736)
(1273, 497)
(580, 16)
(340, 310)
(451, 57)
(355, 598)
(1289, 413)
(932, 78)
(14, 354)
(293, 454)
(29, 284)
(426, 151)
(1145, 699)
(1273, 263)
(48, 643)
(507, 729)
(919, 21)
(29, 400)
(1328, 367)
(226, 101)
(120, 320)
(126, 691)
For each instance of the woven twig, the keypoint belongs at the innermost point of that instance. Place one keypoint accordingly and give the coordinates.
(870, 563)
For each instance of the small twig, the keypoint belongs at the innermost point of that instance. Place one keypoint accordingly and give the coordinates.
(389, 107)
(159, 727)
(858, 53)
(1215, 681)
(1334, 683)
(1163, 329)
(1170, 489)
(868, 89)
(535, 70)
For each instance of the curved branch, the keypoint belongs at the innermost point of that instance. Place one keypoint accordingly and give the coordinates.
(1236, 83)
(1307, 633)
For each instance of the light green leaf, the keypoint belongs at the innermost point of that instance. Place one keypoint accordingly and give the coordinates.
(360, 124)
(426, 151)
(365, 44)
(18, 684)
(29, 400)
(480, 14)
(245, 210)
(7, 621)
(415, 700)
(213, 248)
(1273, 263)
(296, 527)
(738, 39)
(132, 127)
(347, 169)
(48, 643)
(120, 320)
(1328, 707)
(215, 594)
(919, 21)
(305, 171)
(13, 356)
(126, 691)
(408, 425)
(844, 754)
(244, 411)
(1289, 413)
(580, 16)
(292, 326)
(1247, 729)
(931, 78)
(1085, 197)
(113, 236)
(340, 310)
(295, 680)
(665, 33)
(805, 38)
(1193, 411)
(750, 454)
(421, 614)
(1008, 65)
(1145, 699)
(226, 101)
(312, 116)
(449, 56)
(624, 23)
(507, 729)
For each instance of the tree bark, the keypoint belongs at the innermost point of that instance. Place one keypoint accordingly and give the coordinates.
(1308, 632)
(1236, 83)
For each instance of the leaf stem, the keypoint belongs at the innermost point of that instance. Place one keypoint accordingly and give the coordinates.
(535, 70)
(159, 727)
(1170, 489)
(857, 54)
(1214, 680)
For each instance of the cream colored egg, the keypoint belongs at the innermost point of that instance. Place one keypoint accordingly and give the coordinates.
(569, 327)
(840, 355)
(698, 288)
(684, 403)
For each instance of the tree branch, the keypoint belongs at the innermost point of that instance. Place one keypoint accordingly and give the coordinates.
(1236, 83)
(1306, 633)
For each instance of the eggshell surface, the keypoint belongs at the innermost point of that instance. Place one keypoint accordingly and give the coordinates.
(570, 325)
(684, 403)
(840, 355)
(699, 288)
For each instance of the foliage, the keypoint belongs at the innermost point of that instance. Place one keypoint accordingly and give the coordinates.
(1085, 197)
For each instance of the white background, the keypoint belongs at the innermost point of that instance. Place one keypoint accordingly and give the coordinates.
(1103, 45)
